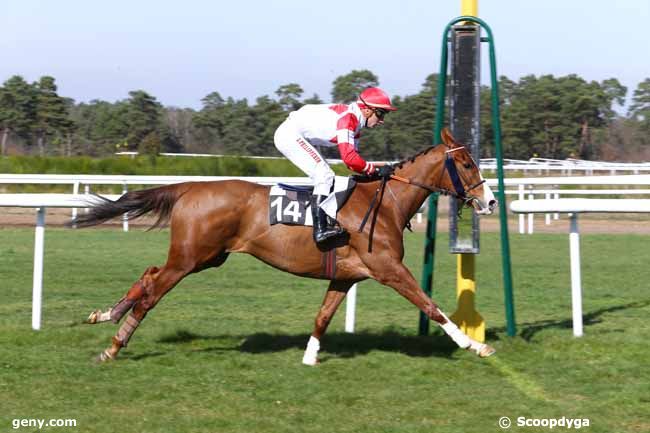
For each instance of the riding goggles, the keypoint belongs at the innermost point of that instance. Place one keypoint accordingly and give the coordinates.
(379, 112)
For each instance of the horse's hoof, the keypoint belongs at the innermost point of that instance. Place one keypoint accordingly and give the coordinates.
(92, 319)
(105, 356)
(98, 316)
(310, 361)
(486, 350)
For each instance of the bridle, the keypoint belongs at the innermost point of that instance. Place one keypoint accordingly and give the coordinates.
(458, 182)
(456, 179)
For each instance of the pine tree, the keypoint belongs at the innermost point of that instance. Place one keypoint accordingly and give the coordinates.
(143, 113)
(268, 115)
(208, 123)
(640, 115)
(52, 115)
(17, 110)
(556, 117)
(289, 96)
(346, 88)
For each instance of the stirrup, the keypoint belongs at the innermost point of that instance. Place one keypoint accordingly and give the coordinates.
(329, 233)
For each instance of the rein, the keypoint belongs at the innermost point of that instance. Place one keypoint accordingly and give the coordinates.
(460, 192)
(378, 192)
(450, 166)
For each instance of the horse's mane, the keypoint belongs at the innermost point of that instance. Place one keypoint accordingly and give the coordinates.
(362, 178)
(414, 157)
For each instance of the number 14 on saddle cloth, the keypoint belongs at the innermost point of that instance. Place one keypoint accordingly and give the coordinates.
(290, 204)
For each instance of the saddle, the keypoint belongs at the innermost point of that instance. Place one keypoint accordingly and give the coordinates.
(291, 204)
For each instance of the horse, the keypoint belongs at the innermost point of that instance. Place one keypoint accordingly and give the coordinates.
(211, 220)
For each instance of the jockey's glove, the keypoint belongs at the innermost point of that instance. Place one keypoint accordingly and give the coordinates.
(384, 171)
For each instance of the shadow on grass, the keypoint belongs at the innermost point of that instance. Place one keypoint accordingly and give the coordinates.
(344, 345)
(134, 357)
(529, 330)
(339, 344)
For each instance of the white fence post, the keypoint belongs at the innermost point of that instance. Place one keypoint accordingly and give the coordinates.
(576, 284)
(125, 217)
(350, 308)
(521, 216)
(573, 207)
(37, 287)
(75, 191)
(530, 216)
(86, 192)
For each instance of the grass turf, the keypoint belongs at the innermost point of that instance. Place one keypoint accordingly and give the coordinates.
(221, 353)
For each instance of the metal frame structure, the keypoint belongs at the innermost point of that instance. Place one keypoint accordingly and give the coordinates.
(427, 275)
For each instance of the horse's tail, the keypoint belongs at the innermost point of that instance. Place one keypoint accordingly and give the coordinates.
(134, 204)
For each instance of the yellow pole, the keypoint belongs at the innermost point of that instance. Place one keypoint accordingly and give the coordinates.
(469, 8)
(466, 317)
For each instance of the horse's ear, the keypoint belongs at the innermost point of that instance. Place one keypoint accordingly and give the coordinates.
(448, 139)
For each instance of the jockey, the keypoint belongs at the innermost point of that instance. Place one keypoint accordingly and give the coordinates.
(330, 125)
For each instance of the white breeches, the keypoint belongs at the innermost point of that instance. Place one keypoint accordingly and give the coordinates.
(305, 156)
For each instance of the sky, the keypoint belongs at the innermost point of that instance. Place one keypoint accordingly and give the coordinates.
(180, 51)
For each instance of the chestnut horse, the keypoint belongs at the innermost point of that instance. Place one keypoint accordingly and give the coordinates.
(210, 220)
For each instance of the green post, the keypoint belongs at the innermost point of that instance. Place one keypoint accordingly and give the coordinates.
(429, 255)
(432, 216)
(427, 277)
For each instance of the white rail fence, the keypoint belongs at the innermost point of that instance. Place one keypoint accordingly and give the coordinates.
(554, 187)
(574, 207)
(549, 188)
(41, 202)
(521, 187)
(566, 167)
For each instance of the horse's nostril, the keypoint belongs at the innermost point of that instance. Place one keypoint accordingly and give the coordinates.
(492, 204)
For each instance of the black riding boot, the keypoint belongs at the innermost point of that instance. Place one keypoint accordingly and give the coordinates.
(323, 231)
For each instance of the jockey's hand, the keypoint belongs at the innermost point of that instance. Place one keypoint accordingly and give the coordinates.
(383, 171)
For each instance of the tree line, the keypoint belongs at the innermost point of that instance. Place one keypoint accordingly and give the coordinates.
(547, 116)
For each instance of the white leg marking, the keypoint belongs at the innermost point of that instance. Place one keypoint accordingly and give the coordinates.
(311, 353)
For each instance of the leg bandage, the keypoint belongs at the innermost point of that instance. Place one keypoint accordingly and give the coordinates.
(105, 316)
(119, 309)
(456, 334)
(475, 346)
(311, 353)
(127, 329)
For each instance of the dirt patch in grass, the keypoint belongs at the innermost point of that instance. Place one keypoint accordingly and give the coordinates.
(592, 223)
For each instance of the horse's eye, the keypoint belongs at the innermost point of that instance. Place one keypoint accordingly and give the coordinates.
(467, 165)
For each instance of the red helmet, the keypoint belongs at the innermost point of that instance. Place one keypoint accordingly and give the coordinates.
(376, 98)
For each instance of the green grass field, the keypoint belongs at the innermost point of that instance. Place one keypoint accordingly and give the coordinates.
(222, 352)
